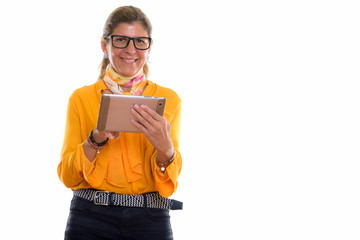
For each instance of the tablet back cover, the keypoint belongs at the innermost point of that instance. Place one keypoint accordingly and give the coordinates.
(114, 112)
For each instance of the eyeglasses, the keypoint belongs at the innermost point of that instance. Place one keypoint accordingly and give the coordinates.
(140, 43)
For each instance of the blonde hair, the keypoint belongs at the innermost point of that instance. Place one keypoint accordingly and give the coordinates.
(125, 14)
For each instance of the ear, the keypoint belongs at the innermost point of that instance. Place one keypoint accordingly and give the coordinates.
(103, 46)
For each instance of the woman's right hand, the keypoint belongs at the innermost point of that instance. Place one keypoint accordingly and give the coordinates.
(101, 136)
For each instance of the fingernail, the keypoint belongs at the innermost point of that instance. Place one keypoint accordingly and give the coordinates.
(136, 106)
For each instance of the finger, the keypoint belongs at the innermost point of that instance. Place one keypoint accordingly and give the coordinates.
(148, 114)
(109, 135)
(116, 135)
(138, 125)
(99, 136)
(151, 112)
(142, 117)
(139, 122)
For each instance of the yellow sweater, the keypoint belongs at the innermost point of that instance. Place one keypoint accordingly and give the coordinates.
(126, 165)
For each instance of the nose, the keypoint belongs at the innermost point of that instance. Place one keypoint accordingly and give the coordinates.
(131, 47)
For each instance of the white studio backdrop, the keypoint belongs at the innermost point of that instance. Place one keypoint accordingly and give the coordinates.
(270, 121)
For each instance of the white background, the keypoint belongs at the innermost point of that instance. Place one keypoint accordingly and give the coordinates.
(270, 122)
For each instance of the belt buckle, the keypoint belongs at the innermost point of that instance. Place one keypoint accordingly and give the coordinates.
(99, 203)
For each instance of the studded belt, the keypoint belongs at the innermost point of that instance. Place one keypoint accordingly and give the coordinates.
(147, 200)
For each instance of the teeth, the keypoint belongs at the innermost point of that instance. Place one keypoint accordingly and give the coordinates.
(130, 61)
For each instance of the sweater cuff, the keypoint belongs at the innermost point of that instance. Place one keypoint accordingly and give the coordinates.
(167, 181)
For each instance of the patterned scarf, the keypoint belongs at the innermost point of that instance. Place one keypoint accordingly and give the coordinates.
(114, 80)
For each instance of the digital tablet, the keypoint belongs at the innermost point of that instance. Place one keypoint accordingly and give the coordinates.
(114, 112)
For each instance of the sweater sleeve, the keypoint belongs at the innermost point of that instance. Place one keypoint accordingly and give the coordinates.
(167, 181)
(74, 167)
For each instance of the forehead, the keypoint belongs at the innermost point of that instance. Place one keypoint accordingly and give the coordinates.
(134, 29)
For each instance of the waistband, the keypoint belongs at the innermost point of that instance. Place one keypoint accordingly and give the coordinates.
(147, 200)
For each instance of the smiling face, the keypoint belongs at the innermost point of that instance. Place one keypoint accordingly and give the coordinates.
(127, 61)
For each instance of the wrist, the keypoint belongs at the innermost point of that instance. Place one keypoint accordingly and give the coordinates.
(97, 138)
(163, 157)
(164, 164)
(96, 142)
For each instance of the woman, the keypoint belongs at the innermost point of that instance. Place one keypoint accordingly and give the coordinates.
(121, 181)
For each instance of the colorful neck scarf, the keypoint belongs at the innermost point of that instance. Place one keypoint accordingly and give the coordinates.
(114, 80)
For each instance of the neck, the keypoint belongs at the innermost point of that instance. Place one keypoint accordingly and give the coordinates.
(117, 75)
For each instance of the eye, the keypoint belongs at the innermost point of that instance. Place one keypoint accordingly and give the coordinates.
(140, 41)
(120, 39)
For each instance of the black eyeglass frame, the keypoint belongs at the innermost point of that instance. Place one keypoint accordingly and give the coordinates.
(130, 38)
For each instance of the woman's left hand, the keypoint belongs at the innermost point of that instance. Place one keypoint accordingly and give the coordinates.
(156, 128)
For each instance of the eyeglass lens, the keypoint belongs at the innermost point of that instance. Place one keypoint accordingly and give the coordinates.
(123, 42)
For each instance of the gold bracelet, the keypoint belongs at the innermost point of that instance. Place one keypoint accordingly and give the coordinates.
(162, 168)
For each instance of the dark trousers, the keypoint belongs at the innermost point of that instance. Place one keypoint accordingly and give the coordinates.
(89, 222)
